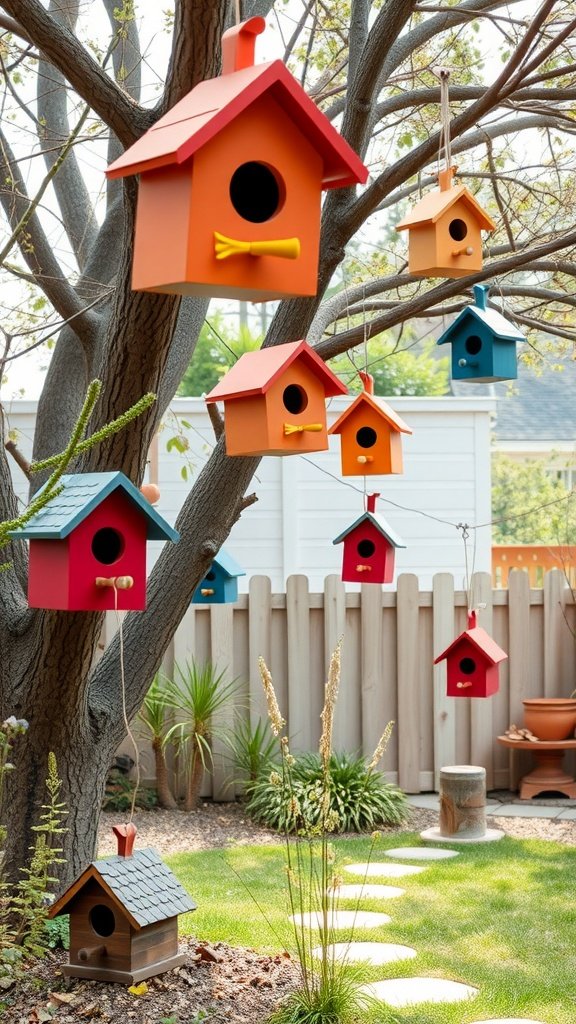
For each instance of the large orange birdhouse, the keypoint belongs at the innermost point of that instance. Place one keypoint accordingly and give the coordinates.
(275, 401)
(231, 181)
(370, 435)
(444, 228)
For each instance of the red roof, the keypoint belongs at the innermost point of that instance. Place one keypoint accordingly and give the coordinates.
(213, 104)
(256, 372)
(480, 639)
(382, 408)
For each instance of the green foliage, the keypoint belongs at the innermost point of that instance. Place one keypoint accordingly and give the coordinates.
(217, 349)
(56, 934)
(518, 487)
(336, 1000)
(119, 793)
(395, 371)
(253, 748)
(359, 798)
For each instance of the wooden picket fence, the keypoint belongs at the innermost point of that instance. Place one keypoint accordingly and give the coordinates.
(390, 641)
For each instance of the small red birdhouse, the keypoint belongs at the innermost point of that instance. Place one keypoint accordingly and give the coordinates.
(231, 181)
(275, 401)
(369, 548)
(444, 231)
(370, 435)
(93, 533)
(472, 662)
(124, 916)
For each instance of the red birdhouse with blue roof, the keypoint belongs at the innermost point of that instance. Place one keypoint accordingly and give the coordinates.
(231, 181)
(275, 401)
(88, 545)
(369, 548)
(472, 662)
(370, 435)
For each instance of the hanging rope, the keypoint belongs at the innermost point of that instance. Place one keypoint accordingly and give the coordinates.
(463, 527)
(124, 712)
(444, 143)
(238, 12)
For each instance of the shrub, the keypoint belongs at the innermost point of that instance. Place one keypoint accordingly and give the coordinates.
(360, 798)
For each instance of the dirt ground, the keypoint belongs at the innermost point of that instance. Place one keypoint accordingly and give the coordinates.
(219, 986)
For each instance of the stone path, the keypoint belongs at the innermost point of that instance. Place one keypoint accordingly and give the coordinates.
(396, 992)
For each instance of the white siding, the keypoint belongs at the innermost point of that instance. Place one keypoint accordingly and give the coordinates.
(301, 508)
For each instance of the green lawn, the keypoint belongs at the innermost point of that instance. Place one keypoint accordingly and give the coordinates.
(501, 917)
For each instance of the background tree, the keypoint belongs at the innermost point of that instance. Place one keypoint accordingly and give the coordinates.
(520, 486)
(371, 68)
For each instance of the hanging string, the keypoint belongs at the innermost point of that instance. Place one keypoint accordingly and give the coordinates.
(129, 732)
(238, 12)
(463, 527)
(444, 142)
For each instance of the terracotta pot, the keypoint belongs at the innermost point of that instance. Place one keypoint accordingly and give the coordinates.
(550, 718)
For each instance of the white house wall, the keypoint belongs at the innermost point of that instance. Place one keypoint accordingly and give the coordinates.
(303, 502)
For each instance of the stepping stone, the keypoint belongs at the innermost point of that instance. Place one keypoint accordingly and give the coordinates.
(410, 991)
(374, 953)
(369, 892)
(432, 835)
(375, 870)
(420, 853)
(343, 919)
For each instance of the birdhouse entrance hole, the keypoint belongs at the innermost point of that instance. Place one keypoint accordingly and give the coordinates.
(210, 576)
(295, 399)
(473, 344)
(366, 548)
(366, 437)
(256, 192)
(102, 920)
(107, 545)
(467, 666)
(458, 229)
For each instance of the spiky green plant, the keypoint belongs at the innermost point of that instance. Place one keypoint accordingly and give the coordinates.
(196, 695)
(253, 751)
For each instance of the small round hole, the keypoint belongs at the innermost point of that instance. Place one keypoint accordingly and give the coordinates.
(102, 920)
(255, 192)
(295, 399)
(467, 666)
(458, 229)
(366, 548)
(366, 437)
(473, 344)
(210, 576)
(107, 545)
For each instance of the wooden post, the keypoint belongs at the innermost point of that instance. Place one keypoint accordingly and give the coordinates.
(463, 801)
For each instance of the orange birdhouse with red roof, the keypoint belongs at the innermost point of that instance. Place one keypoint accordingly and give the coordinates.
(444, 228)
(231, 181)
(370, 435)
(275, 401)
(472, 662)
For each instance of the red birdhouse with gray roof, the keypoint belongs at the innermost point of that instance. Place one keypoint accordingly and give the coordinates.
(444, 231)
(369, 548)
(88, 545)
(472, 662)
(231, 181)
(370, 435)
(275, 401)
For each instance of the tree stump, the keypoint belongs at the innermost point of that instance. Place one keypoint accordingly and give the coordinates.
(463, 801)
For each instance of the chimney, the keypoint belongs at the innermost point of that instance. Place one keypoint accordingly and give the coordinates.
(472, 620)
(125, 835)
(239, 44)
(371, 502)
(480, 295)
(445, 178)
(368, 382)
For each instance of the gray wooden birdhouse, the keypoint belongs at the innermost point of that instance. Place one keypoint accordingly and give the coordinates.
(124, 916)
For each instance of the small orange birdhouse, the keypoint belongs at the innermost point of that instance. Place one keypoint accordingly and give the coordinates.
(275, 401)
(370, 435)
(472, 662)
(444, 231)
(231, 181)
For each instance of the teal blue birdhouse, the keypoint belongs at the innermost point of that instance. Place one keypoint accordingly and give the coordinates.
(220, 584)
(483, 343)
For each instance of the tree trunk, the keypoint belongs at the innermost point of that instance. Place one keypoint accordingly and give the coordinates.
(194, 780)
(163, 790)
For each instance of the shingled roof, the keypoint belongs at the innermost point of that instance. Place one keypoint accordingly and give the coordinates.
(142, 884)
(81, 494)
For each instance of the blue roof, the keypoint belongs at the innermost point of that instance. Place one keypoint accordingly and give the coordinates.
(380, 524)
(225, 562)
(82, 493)
(501, 328)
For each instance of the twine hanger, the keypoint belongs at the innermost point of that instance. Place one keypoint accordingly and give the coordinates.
(444, 142)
